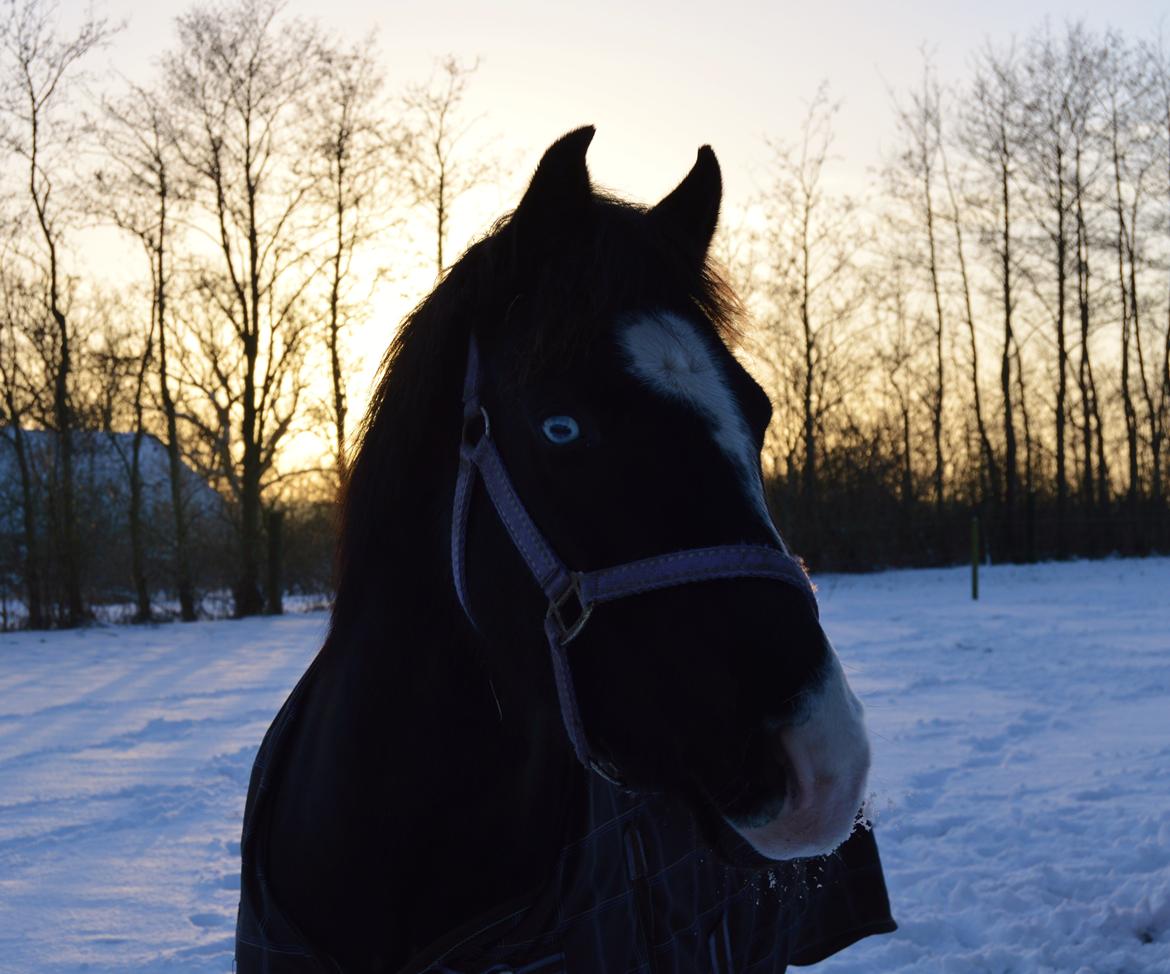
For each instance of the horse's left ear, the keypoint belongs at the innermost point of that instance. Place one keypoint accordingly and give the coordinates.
(691, 210)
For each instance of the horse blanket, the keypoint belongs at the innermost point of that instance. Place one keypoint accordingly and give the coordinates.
(636, 889)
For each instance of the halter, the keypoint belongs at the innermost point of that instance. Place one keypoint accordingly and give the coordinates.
(572, 595)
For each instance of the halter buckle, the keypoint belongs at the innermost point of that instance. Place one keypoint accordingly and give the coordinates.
(568, 630)
(607, 770)
(473, 418)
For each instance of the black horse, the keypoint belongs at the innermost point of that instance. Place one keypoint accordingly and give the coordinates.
(417, 804)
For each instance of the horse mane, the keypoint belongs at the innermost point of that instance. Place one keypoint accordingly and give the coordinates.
(616, 261)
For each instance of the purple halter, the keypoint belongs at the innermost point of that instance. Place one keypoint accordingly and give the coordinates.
(572, 595)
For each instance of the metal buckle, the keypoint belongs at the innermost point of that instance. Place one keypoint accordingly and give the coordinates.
(607, 770)
(568, 632)
(469, 421)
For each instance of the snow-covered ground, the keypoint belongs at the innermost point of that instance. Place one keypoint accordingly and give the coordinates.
(124, 760)
(1021, 784)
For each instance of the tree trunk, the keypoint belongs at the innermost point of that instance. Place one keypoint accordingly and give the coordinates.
(1061, 359)
(137, 542)
(62, 411)
(907, 491)
(1011, 472)
(339, 403)
(991, 470)
(275, 588)
(248, 599)
(936, 404)
(1142, 538)
(1133, 486)
(247, 596)
(809, 478)
(1084, 365)
(183, 582)
(1158, 441)
(1029, 466)
(32, 548)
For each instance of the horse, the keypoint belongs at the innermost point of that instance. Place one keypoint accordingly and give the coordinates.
(575, 709)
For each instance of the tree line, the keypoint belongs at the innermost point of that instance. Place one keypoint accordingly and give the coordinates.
(253, 177)
(985, 331)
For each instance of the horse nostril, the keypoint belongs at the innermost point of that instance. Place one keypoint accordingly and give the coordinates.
(758, 789)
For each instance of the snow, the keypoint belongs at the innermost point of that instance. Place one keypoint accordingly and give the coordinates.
(124, 761)
(1021, 784)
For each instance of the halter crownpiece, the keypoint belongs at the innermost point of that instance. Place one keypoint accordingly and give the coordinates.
(572, 595)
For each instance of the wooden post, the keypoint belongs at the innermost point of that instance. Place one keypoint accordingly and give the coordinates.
(975, 557)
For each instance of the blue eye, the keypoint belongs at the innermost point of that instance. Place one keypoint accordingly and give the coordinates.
(560, 429)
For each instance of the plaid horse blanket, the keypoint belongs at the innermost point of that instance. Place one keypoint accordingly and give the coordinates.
(636, 889)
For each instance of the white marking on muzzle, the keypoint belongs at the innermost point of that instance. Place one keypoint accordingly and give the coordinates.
(668, 354)
(828, 759)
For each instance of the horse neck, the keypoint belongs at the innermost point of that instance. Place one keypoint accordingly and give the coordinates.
(442, 799)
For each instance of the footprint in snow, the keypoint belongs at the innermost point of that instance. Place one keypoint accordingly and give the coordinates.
(207, 920)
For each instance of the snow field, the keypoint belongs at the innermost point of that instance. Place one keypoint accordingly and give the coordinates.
(1021, 781)
(124, 761)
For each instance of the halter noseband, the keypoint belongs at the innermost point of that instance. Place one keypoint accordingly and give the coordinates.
(572, 595)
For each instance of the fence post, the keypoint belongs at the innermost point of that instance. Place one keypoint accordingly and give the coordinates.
(975, 557)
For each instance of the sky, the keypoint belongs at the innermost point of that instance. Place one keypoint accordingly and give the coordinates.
(658, 78)
(662, 77)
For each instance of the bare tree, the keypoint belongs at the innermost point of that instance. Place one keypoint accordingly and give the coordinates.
(122, 361)
(40, 71)
(349, 149)
(990, 130)
(1050, 72)
(988, 468)
(1029, 229)
(238, 84)
(914, 178)
(17, 391)
(140, 190)
(1129, 173)
(895, 352)
(1084, 177)
(437, 163)
(1157, 61)
(1029, 456)
(811, 241)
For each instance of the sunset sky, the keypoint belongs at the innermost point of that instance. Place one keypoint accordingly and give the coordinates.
(658, 79)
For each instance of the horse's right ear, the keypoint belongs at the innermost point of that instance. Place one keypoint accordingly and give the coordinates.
(557, 197)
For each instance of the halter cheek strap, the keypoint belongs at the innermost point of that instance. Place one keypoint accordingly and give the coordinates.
(572, 595)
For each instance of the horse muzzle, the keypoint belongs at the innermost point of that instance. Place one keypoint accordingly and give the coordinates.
(824, 758)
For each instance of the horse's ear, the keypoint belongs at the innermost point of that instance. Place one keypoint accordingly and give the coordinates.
(558, 194)
(690, 211)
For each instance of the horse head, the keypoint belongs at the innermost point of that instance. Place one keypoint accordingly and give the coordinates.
(629, 431)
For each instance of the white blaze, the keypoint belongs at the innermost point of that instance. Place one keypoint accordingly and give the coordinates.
(668, 354)
(827, 752)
